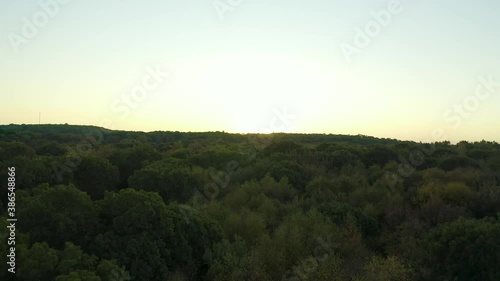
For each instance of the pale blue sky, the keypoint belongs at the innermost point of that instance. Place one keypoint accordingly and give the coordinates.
(234, 73)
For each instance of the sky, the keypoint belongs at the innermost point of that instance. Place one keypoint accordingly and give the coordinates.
(421, 70)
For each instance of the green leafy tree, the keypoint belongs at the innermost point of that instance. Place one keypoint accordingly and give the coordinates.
(72, 258)
(51, 149)
(452, 162)
(110, 271)
(330, 269)
(386, 269)
(281, 146)
(194, 237)
(465, 249)
(454, 193)
(171, 179)
(9, 150)
(95, 175)
(339, 213)
(79, 275)
(295, 173)
(379, 155)
(58, 214)
(38, 262)
(30, 171)
(339, 158)
(132, 158)
(138, 232)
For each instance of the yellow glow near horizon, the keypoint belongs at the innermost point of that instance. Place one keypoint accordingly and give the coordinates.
(248, 89)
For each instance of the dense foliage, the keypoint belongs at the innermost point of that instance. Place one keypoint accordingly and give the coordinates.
(94, 204)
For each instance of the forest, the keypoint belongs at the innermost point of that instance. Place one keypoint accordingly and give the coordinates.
(94, 204)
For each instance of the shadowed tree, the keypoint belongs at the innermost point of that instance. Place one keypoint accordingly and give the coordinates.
(131, 159)
(58, 214)
(172, 179)
(463, 250)
(136, 224)
(95, 175)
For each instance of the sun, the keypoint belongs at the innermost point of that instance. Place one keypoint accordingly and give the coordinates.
(249, 90)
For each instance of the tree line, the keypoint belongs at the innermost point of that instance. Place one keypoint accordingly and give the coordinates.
(222, 207)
